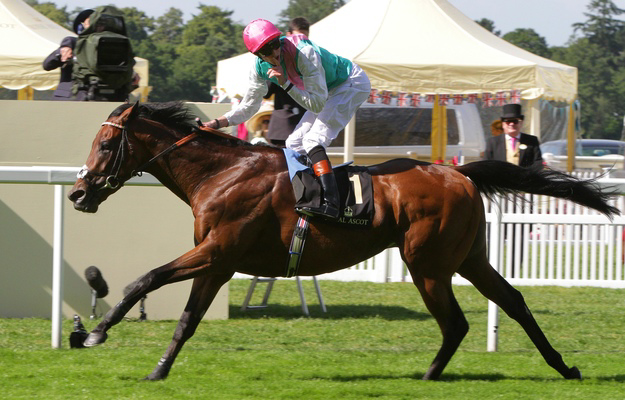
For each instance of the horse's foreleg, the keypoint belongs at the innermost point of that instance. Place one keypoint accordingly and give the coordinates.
(492, 285)
(441, 302)
(203, 293)
(188, 266)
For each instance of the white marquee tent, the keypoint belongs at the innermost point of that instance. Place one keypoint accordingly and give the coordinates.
(427, 47)
(26, 39)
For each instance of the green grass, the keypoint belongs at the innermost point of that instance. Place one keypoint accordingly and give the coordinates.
(376, 341)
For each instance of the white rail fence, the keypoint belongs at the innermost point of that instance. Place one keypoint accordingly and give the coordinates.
(545, 241)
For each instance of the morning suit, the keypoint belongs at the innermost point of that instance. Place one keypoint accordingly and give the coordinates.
(528, 150)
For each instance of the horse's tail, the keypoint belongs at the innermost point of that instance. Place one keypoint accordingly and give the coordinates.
(499, 177)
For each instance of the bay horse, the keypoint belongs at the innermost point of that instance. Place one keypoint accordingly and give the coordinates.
(243, 203)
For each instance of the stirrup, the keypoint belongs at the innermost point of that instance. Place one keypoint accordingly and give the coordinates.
(325, 210)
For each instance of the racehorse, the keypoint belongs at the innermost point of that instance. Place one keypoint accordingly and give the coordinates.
(243, 203)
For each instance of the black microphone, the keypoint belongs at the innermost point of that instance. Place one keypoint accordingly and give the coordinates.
(95, 280)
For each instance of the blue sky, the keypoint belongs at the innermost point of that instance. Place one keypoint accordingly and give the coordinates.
(550, 18)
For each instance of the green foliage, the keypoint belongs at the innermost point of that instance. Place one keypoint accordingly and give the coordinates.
(602, 28)
(207, 38)
(50, 10)
(312, 10)
(529, 40)
(598, 56)
(376, 340)
(489, 25)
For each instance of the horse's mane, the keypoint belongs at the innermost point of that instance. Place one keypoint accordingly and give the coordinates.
(175, 115)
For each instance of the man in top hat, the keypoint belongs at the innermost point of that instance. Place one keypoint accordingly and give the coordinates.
(514, 146)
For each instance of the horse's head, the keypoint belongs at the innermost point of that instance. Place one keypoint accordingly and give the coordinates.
(110, 163)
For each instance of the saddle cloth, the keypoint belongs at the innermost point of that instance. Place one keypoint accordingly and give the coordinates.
(355, 190)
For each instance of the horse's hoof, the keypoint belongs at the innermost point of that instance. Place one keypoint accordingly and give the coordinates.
(574, 373)
(154, 377)
(95, 338)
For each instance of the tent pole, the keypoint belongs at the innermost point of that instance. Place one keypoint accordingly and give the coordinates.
(26, 93)
(436, 131)
(534, 111)
(570, 140)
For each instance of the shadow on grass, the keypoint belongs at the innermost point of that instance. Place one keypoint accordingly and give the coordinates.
(389, 313)
(448, 377)
(614, 378)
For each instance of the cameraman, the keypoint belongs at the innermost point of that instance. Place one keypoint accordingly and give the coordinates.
(62, 57)
(72, 88)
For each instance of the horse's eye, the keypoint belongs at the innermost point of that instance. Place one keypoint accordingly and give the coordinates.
(105, 146)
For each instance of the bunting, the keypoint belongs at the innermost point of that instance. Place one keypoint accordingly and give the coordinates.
(373, 96)
(415, 100)
(404, 99)
(386, 97)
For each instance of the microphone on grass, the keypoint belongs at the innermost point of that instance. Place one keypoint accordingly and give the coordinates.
(96, 282)
(98, 285)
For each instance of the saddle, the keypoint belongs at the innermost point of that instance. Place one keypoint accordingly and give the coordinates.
(355, 190)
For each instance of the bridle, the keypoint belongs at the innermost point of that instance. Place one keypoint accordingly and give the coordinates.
(112, 181)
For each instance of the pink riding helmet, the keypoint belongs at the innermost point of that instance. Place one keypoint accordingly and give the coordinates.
(258, 33)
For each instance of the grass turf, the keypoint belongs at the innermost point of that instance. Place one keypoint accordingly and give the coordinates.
(376, 341)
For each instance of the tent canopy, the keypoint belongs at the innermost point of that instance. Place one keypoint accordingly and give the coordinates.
(425, 46)
(26, 39)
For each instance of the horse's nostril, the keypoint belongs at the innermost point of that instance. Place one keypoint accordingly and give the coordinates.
(75, 195)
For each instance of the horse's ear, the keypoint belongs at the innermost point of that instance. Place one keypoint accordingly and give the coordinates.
(134, 112)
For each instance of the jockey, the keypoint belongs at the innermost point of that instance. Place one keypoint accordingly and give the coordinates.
(330, 87)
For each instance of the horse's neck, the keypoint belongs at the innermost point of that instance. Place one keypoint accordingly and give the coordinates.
(188, 166)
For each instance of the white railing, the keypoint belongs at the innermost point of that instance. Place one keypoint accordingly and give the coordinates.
(57, 176)
(544, 241)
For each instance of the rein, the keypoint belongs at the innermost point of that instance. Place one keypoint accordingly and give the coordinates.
(112, 181)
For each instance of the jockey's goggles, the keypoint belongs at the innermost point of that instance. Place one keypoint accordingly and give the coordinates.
(267, 50)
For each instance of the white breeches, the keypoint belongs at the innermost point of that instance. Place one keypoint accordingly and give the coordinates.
(343, 101)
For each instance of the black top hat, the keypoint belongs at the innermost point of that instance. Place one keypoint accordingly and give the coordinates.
(512, 111)
(81, 17)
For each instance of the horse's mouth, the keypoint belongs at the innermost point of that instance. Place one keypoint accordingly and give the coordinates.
(83, 200)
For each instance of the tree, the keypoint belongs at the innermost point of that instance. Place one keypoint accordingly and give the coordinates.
(312, 10)
(160, 50)
(602, 27)
(207, 38)
(598, 56)
(528, 39)
(51, 11)
(138, 26)
(489, 25)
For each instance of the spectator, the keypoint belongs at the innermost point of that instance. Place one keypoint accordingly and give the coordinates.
(519, 149)
(63, 58)
(515, 147)
(496, 127)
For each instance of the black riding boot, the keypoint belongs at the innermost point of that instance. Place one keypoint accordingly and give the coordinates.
(329, 207)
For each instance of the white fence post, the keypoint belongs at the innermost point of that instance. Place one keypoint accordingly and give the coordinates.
(495, 250)
(57, 267)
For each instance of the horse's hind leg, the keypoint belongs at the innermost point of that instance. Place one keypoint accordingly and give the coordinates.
(203, 293)
(441, 302)
(492, 285)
